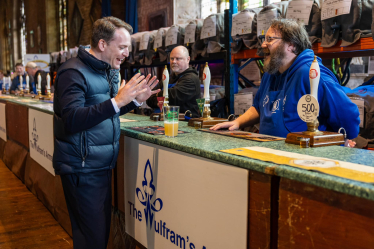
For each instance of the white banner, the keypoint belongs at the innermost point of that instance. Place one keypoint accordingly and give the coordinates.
(41, 138)
(178, 200)
(42, 60)
(2, 122)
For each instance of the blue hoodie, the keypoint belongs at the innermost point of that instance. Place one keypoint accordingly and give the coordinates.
(336, 109)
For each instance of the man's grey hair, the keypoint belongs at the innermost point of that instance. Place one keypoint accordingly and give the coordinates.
(293, 32)
(31, 64)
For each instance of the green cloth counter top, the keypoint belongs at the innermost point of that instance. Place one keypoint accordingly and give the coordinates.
(208, 145)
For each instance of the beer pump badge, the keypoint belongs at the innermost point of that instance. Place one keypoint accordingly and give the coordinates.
(160, 102)
(308, 108)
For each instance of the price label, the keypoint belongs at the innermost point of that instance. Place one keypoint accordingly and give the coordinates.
(242, 23)
(209, 27)
(189, 36)
(171, 36)
(308, 108)
(144, 42)
(158, 40)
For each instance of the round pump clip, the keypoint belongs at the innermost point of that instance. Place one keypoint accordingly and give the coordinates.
(231, 117)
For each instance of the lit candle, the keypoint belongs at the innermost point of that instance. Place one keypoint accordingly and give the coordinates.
(20, 82)
(48, 83)
(27, 82)
(39, 83)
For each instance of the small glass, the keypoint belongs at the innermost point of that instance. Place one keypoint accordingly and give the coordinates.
(197, 124)
(171, 119)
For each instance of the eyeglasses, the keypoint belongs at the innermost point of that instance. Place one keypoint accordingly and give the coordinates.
(269, 39)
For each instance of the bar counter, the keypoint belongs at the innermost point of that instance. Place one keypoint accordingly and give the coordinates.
(286, 207)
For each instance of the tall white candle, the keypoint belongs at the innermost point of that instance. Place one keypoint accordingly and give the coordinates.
(48, 83)
(39, 83)
(20, 83)
(27, 82)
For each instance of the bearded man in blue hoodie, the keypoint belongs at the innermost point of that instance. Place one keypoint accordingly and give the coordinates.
(87, 106)
(287, 60)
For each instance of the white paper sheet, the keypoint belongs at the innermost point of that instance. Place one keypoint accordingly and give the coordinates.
(242, 23)
(332, 8)
(209, 27)
(158, 40)
(242, 102)
(171, 36)
(189, 33)
(144, 42)
(299, 10)
(264, 19)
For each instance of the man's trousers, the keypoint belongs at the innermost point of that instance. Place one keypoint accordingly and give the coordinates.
(88, 198)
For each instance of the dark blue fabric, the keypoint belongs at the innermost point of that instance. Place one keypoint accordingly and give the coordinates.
(336, 109)
(132, 14)
(86, 126)
(89, 201)
(106, 8)
(271, 118)
(15, 82)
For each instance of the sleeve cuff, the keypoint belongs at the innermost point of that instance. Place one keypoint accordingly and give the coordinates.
(137, 103)
(115, 106)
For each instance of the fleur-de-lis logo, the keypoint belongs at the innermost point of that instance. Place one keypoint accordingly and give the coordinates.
(34, 134)
(145, 196)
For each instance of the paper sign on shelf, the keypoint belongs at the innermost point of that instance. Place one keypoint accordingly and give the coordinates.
(144, 42)
(158, 40)
(189, 33)
(299, 10)
(171, 36)
(332, 8)
(209, 27)
(264, 20)
(242, 102)
(242, 23)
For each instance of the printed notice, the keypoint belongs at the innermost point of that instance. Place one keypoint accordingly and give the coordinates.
(209, 27)
(242, 23)
(331, 8)
(144, 42)
(264, 19)
(242, 102)
(158, 40)
(299, 10)
(171, 36)
(361, 108)
(189, 33)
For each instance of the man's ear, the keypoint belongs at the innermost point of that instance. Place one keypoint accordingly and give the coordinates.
(102, 45)
(188, 59)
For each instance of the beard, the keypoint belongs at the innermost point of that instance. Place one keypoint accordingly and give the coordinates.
(274, 60)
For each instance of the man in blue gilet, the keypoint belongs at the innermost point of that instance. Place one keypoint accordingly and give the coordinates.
(87, 106)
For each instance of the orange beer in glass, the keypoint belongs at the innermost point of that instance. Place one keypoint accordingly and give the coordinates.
(171, 115)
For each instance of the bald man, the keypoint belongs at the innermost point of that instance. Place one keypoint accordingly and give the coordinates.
(187, 84)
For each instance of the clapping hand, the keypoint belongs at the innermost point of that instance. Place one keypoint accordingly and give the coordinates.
(143, 96)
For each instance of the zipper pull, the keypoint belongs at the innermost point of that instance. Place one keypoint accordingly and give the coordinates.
(82, 163)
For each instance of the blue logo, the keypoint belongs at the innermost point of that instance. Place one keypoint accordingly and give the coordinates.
(145, 196)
